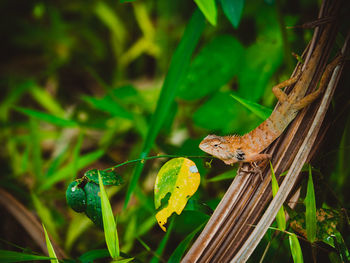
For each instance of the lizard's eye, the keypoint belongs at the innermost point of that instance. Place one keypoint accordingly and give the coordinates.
(216, 145)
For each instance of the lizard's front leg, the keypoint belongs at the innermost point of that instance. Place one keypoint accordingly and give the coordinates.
(277, 90)
(323, 83)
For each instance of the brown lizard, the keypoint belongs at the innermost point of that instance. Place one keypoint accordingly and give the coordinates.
(247, 148)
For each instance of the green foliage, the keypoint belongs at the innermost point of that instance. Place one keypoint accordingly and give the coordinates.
(295, 249)
(310, 205)
(50, 249)
(109, 224)
(280, 218)
(100, 84)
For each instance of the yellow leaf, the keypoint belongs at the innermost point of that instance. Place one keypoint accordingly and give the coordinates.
(181, 179)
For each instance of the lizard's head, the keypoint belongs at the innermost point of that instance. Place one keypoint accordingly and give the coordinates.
(217, 146)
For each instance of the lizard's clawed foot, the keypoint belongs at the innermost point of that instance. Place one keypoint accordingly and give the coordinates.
(253, 168)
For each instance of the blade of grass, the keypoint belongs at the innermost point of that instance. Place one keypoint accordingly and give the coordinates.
(259, 110)
(7, 256)
(181, 248)
(45, 215)
(208, 8)
(46, 101)
(280, 217)
(295, 249)
(58, 121)
(50, 249)
(158, 253)
(310, 204)
(109, 224)
(65, 172)
(176, 74)
(36, 149)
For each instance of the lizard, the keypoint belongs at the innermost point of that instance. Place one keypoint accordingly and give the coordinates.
(247, 148)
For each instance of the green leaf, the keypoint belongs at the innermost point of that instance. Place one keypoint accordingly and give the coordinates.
(259, 110)
(176, 74)
(262, 58)
(65, 172)
(36, 149)
(225, 55)
(295, 249)
(108, 177)
(236, 119)
(209, 10)
(44, 98)
(107, 104)
(7, 256)
(45, 216)
(178, 177)
(50, 249)
(310, 204)
(94, 254)
(181, 248)
(47, 117)
(109, 224)
(229, 175)
(280, 217)
(162, 244)
(233, 10)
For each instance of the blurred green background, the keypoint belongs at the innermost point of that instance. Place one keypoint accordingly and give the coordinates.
(90, 84)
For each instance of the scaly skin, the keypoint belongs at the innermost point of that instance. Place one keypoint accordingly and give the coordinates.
(247, 148)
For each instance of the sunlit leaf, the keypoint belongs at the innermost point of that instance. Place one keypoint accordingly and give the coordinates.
(208, 8)
(109, 224)
(280, 217)
(233, 10)
(310, 205)
(7, 256)
(176, 74)
(50, 249)
(178, 177)
(295, 249)
(259, 110)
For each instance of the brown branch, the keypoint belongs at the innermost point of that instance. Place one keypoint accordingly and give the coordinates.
(29, 222)
(228, 236)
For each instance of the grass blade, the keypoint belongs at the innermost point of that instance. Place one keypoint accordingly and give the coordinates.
(109, 224)
(310, 204)
(280, 217)
(176, 74)
(208, 8)
(181, 248)
(50, 249)
(58, 121)
(7, 256)
(65, 172)
(259, 110)
(233, 10)
(295, 249)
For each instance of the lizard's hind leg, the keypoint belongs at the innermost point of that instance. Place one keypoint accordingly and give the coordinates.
(323, 83)
(277, 90)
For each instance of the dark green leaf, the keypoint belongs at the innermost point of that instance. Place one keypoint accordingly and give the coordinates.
(233, 10)
(181, 248)
(213, 67)
(107, 104)
(176, 74)
(92, 255)
(108, 177)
